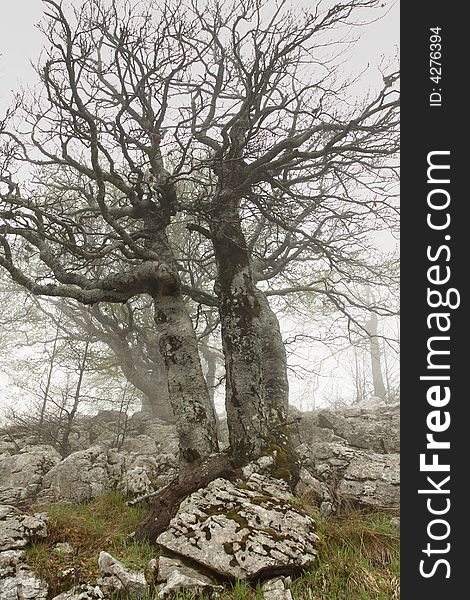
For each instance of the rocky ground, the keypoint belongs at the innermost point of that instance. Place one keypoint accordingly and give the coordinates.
(245, 529)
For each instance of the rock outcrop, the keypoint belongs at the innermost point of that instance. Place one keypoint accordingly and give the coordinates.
(174, 576)
(115, 577)
(238, 532)
(277, 589)
(369, 426)
(22, 474)
(336, 475)
(349, 456)
(82, 475)
(86, 474)
(17, 530)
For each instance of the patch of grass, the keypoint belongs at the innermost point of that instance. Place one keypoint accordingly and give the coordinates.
(358, 559)
(241, 590)
(358, 552)
(101, 524)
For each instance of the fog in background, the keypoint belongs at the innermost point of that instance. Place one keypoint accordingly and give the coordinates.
(316, 377)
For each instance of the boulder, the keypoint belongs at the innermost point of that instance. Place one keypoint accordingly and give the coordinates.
(241, 533)
(18, 530)
(115, 577)
(277, 589)
(175, 576)
(22, 474)
(135, 482)
(352, 476)
(82, 475)
(308, 485)
(17, 582)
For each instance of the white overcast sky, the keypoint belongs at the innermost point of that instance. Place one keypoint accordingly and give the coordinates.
(21, 42)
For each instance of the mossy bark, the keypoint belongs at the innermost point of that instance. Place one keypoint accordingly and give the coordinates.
(167, 503)
(189, 397)
(239, 310)
(274, 364)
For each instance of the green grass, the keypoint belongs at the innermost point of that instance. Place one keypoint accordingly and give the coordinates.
(101, 524)
(358, 559)
(358, 552)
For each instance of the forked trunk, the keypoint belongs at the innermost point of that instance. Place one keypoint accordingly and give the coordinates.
(239, 310)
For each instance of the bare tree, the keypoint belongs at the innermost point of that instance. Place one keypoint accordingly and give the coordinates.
(265, 146)
(375, 356)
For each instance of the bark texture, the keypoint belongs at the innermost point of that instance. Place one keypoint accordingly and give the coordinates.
(194, 412)
(275, 382)
(239, 310)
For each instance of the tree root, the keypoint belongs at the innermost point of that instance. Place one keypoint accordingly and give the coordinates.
(169, 498)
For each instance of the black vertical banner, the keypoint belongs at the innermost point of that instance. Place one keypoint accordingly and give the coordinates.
(434, 331)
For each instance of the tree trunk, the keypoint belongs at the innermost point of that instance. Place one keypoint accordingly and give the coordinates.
(210, 358)
(275, 382)
(189, 397)
(375, 356)
(195, 415)
(239, 310)
(276, 395)
(153, 384)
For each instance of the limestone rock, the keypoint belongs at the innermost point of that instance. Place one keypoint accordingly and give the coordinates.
(269, 485)
(23, 586)
(86, 474)
(135, 482)
(277, 589)
(17, 582)
(355, 477)
(82, 592)
(82, 475)
(240, 533)
(9, 562)
(372, 482)
(370, 426)
(176, 576)
(115, 577)
(21, 474)
(17, 530)
(262, 466)
(312, 487)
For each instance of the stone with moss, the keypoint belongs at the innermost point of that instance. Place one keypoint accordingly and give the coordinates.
(241, 533)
